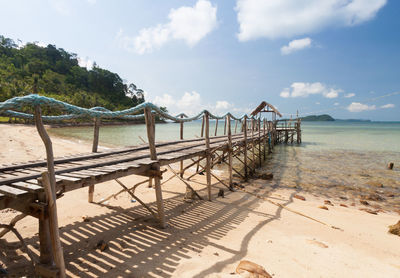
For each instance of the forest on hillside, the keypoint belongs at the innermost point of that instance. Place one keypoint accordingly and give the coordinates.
(56, 73)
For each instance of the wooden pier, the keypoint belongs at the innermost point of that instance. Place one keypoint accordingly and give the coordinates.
(33, 187)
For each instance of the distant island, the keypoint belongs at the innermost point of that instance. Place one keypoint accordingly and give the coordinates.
(318, 118)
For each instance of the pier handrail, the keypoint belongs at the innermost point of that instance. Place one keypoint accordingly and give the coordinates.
(11, 106)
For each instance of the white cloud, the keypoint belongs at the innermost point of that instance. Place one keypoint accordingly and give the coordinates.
(61, 6)
(192, 103)
(85, 62)
(287, 18)
(359, 107)
(302, 89)
(92, 2)
(296, 45)
(336, 103)
(349, 95)
(222, 104)
(389, 105)
(190, 24)
(285, 93)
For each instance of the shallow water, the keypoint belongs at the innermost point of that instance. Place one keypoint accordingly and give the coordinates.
(337, 159)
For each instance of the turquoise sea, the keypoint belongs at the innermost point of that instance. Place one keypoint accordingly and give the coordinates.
(335, 158)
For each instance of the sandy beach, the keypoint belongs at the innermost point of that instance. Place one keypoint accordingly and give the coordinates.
(204, 239)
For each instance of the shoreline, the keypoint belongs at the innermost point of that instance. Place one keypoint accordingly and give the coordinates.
(205, 239)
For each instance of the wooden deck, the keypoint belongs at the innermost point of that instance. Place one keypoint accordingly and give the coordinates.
(20, 183)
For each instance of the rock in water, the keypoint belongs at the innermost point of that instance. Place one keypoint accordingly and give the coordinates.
(266, 176)
(327, 202)
(375, 197)
(395, 229)
(390, 165)
(299, 197)
(323, 207)
(365, 203)
(254, 269)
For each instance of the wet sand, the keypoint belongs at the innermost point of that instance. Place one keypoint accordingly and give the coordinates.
(209, 239)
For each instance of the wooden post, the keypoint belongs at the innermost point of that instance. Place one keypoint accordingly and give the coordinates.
(216, 127)
(252, 143)
(245, 148)
(230, 150)
(181, 137)
(150, 126)
(259, 139)
(46, 254)
(202, 127)
(95, 145)
(50, 192)
(225, 127)
(265, 139)
(97, 122)
(208, 155)
(53, 224)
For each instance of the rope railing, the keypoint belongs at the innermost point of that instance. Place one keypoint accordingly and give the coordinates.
(11, 106)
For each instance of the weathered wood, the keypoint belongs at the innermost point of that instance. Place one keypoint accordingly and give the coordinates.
(202, 126)
(225, 127)
(150, 127)
(230, 161)
(181, 137)
(137, 199)
(96, 131)
(208, 155)
(216, 127)
(12, 223)
(185, 182)
(259, 140)
(95, 145)
(53, 224)
(246, 174)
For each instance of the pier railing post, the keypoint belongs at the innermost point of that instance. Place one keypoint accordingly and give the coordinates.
(245, 147)
(150, 126)
(96, 131)
(259, 140)
(252, 143)
(50, 189)
(216, 127)
(181, 137)
(230, 150)
(264, 139)
(208, 155)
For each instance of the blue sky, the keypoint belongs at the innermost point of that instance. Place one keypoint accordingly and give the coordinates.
(339, 57)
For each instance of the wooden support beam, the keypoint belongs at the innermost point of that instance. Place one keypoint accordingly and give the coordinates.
(185, 182)
(208, 155)
(246, 174)
(53, 224)
(216, 127)
(150, 126)
(259, 140)
(136, 198)
(97, 122)
(230, 161)
(252, 143)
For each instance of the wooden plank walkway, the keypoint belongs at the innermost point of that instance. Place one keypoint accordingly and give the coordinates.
(20, 181)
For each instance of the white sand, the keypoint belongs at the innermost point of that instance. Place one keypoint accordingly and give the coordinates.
(204, 239)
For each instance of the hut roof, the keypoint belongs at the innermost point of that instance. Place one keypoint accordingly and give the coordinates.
(260, 108)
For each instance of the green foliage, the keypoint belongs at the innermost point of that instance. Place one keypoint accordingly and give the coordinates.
(59, 76)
